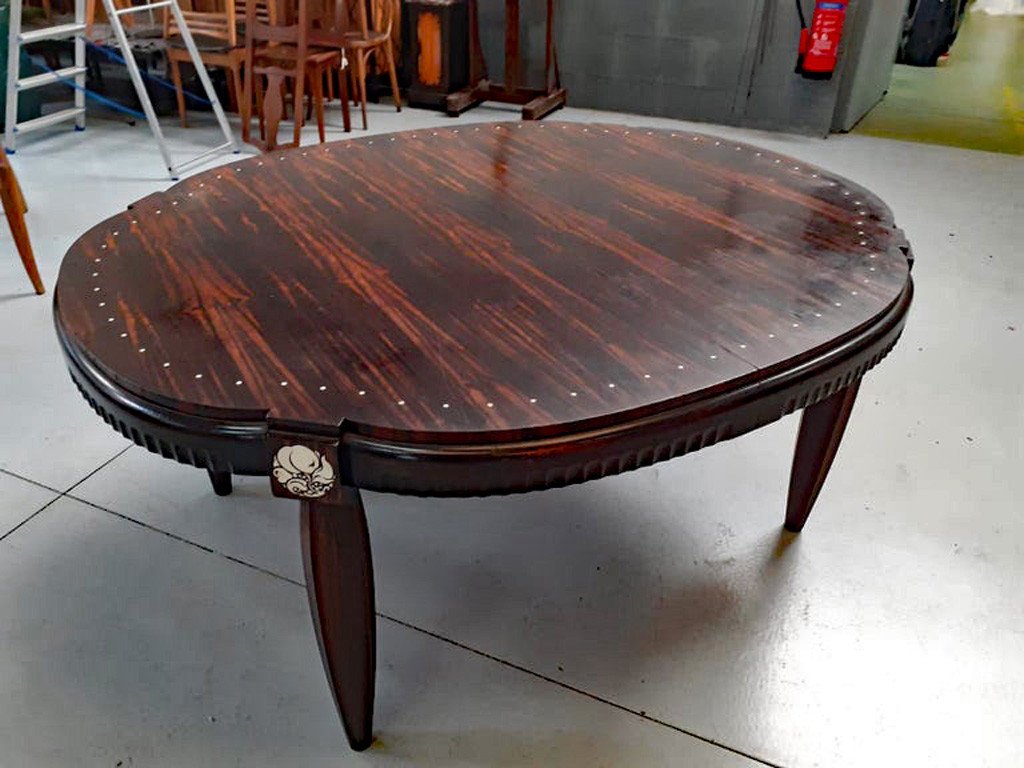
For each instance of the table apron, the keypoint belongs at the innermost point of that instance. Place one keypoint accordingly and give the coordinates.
(423, 469)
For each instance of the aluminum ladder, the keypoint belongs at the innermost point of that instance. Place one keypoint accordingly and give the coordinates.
(114, 14)
(16, 84)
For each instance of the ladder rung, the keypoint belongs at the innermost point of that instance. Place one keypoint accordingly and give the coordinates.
(46, 78)
(51, 33)
(200, 157)
(139, 8)
(50, 119)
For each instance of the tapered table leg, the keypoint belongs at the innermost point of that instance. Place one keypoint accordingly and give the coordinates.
(339, 582)
(821, 430)
(221, 481)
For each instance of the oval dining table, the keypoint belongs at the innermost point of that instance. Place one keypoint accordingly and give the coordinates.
(477, 310)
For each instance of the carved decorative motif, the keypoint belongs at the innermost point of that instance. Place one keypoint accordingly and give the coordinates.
(303, 472)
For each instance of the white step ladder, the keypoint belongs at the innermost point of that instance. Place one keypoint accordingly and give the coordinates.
(16, 84)
(76, 74)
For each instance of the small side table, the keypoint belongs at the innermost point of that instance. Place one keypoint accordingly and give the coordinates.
(537, 102)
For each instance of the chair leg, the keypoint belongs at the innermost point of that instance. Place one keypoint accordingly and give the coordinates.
(259, 108)
(178, 90)
(346, 112)
(300, 83)
(389, 54)
(317, 97)
(361, 81)
(273, 108)
(12, 201)
(236, 79)
(308, 114)
(246, 105)
(234, 92)
(18, 194)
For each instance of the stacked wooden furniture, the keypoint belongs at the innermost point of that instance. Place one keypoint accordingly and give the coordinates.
(216, 37)
(15, 208)
(283, 54)
(366, 40)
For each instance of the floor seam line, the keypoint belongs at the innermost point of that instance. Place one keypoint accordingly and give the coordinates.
(447, 640)
(16, 476)
(33, 516)
(593, 696)
(189, 542)
(112, 459)
(60, 494)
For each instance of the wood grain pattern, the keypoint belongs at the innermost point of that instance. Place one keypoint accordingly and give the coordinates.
(339, 583)
(821, 430)
(500, 282)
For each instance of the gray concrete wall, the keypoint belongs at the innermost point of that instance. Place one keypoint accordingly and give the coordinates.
(875, 36)
(726, 61)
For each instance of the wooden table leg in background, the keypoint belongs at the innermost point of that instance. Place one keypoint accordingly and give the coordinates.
(536, 102)
(821, 430)
(339, 582)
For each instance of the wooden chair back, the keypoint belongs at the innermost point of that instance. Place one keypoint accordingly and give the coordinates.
(266, 11)
(277, 52)
(220, 24)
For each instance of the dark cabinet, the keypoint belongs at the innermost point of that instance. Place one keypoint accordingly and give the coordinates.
(437, 53)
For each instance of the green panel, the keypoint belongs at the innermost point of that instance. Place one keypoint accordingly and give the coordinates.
(975, 99)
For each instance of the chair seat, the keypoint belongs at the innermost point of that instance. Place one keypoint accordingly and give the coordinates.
(290, 53)
(204, 43)
(356, 39)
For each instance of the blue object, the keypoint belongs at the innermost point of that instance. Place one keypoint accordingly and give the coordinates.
(113, 56)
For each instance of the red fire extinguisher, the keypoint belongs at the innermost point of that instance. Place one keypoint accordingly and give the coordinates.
(819, 43)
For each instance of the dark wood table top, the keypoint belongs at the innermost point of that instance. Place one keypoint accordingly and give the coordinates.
(498, 281)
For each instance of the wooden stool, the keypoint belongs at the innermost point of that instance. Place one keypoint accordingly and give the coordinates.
(14, 208)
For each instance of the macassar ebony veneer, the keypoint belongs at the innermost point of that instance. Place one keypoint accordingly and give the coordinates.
(478, 310)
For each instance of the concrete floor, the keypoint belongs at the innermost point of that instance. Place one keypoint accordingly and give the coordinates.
(655, 618)
(973, 99)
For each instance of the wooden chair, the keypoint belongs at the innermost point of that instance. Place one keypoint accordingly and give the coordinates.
(14, 208)
(278, 53)
(216, 36)
(364, 41)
